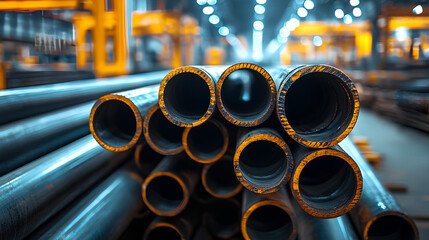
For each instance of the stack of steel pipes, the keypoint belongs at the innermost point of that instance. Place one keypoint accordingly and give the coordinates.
(225, 152)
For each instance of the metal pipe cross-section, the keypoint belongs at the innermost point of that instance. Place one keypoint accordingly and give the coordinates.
(222, 218)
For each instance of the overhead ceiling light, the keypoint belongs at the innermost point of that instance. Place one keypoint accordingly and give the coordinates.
(357, 12)
(354, 3)
(418, 10)
(214, 19)
(223, 31)
(208, 10)
(201, 2)
(317, 41)
(259, 9)
(309, 4)
(347, 19)
(339, 13)
(258, 25)
(302, 12)
(211, 2)
(261, 1)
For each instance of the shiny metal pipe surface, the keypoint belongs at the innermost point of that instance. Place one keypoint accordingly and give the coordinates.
(31, 194)
(377, 215)
(25, 140)
(24, 102)
(116, 119)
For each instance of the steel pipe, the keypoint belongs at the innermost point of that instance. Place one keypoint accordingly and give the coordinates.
(206, 143)
(116, 120)
(146, 159)
(29, 101)
(187, 94)
(25, 140)
(219, 178)
(246, 94)
(104, 213)
(262, 162)
(326, 183)
(318, 105)
(163, 136)
(36, 191)
(200, 194)
(222, 218)
(167, 189)
(267, 216)
(377, 215)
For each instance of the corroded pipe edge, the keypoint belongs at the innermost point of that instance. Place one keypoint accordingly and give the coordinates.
(155, 147)
(287, 83)
(206, 186)
(162, 224)
(188, 151)
(289, 163)
(267, 112)
(391, 213)
(138, 118)
(320, 213)
(166, 213)
(210, 83)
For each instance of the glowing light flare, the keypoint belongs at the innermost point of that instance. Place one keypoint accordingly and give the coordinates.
(208, 10)
(214, 19)
(201, 2)
(223, 31)
(347, 19)
(212, 2)
(418, 10)
(354, 3)
(302, 12)
(317, 41)
(309, 4)
(357, 12)
(261, 1)
(339, 13)
(258, 25)
(259, 9)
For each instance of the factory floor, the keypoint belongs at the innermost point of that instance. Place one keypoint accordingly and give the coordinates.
(405, 153)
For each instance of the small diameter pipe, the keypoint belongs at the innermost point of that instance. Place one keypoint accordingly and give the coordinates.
(219, 178)
(222, 218)
(246, 94)
(262, 162)
(326, 183)
(116, 120)
(267, 216)
(163, 136)
(206, 143)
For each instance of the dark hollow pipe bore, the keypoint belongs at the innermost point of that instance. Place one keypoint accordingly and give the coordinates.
(246, 94)
(326, 183)
(206, 143)
(146, 159)
(317, 105)
(222, 218)
(116, 120)
(262, 162)
(163, 136)
(219, 178)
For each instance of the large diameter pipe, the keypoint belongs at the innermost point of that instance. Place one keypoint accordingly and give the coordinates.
(187, 95)
(219, 178)
(222, 218)
(207, 142)
(262, 162)
(25, 140)
(116, 119)
(318, 105)
(146, 159)
(163, 136)
(36, 191)
(167, 189)
(326, 183)
(28, 101)
(377, 215)
(267, 216)
(246, 94)
(104, 213)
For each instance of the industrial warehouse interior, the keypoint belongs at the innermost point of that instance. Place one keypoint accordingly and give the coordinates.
(214, 119)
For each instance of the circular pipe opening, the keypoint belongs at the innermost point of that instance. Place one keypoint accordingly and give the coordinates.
(206, 142)
(114, 123)
(223, 219)
(319, 106)
(246, 95)
(163, 133)
(220, 178)
(391, 227)
(327, 183)
(163, 232)
(263, 163)
(269, 222)
(164, 194)
(187, 97)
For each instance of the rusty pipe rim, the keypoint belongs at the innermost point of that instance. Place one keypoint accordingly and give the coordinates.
(194, 141)
(163, 225)
(235, 116)
(340, 189)
(282, 169)
(213, 183)
(107, 129)
(395, 222)
(176, 206)
(201, 82)
(286, 216)
(161, 135)
(337, 122)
